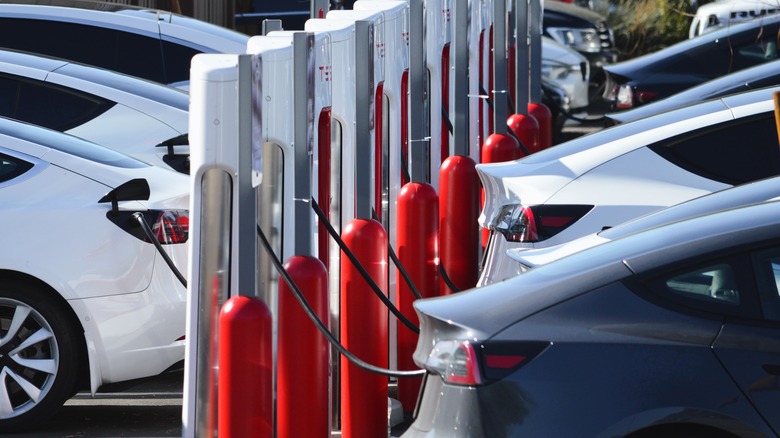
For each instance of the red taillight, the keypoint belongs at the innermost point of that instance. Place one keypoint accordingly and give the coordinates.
(464, 370)
(466, 363)
(646, 96)
(168, 227)
(171, 227)
(500, 359)
(519, 223)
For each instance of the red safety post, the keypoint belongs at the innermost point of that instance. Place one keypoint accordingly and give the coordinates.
(498, 148)
(543, 116)
(418, 251)
(459, 204)
(364, 331)
(245, 379)
(303, 353)
(527, 130)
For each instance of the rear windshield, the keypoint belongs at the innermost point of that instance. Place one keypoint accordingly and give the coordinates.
(68, 144)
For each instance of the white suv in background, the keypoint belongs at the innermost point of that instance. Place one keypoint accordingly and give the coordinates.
(721, 13)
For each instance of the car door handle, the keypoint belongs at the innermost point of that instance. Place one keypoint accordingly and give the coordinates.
(771, 369)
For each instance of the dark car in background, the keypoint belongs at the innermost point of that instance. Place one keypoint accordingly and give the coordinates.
(691, 62)
(669, 332)
(753, 78)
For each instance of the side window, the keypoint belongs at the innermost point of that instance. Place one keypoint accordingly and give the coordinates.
(125, 52)
(11, 167)
(735, 152)
(715, 283)
(177, 59)
(48, 105)
(767, 266)
(724, 286)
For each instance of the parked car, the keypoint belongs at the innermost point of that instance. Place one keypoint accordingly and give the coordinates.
(586, 32)
(738, 196)
(86, 300)
(691, 62)
(151, 44)
(569, 70)
(752, 78)
(723, 13)
(671, 332)
(620, 173)
(144, 119)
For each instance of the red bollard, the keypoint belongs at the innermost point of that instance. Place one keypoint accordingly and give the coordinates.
(498, 148)
(364, 331)
(526, 128)
(418, 252)
(459, 243)
(245, 382)
(303, 369)
(543, 116)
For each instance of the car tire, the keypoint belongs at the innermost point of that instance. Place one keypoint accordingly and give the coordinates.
(38, 356)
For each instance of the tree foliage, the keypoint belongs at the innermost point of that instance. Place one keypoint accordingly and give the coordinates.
(644, 26)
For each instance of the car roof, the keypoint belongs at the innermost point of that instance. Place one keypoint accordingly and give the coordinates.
(198, 32)
(767, 74)
(40, 66)
(594, 267)
(741, 104)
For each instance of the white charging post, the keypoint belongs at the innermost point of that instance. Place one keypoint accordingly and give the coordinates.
(223, 165)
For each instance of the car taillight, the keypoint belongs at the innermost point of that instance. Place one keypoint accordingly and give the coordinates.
(646, 96)
(465, 363)
(519, 223)
(172, 226)
(168, 226)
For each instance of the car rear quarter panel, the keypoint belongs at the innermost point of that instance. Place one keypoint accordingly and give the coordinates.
(617, 364)
(56, 231)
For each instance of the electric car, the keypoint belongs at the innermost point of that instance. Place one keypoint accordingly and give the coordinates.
(749, 193)
(760, 76)
(569, 70)
(670, 332)
(86, 298)
(660, 74)
(620, 173)
(152, 44)
(144, 119)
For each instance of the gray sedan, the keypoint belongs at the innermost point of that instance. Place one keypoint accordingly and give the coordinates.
(670, 332)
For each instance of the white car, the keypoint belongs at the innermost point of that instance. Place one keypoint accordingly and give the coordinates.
(722, 13)
(140, 118)
(569, 70)
(620, 173)
(85, 298)
(153, 44)
(750, 193)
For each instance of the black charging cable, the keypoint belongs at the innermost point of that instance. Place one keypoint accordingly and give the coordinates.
(320, 325)
(149, 234)
(356, 263)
